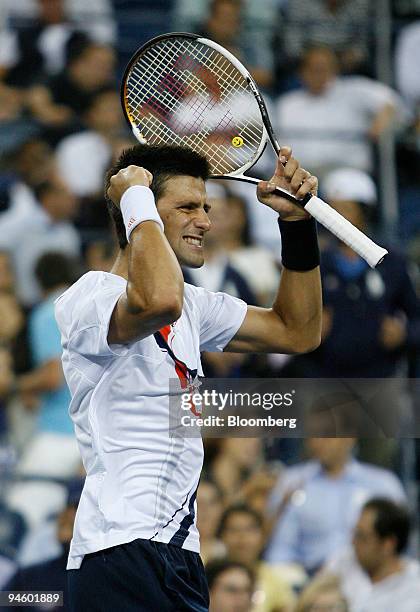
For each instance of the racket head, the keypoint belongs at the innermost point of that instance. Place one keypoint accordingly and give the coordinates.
(180, 88)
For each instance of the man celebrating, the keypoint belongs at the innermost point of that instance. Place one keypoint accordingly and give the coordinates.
(125, 334)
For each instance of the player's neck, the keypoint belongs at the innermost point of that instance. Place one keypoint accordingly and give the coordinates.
(120, 266)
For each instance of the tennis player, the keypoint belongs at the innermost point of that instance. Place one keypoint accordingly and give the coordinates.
(125, 334)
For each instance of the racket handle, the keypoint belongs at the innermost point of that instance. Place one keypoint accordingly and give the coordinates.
(345, 231)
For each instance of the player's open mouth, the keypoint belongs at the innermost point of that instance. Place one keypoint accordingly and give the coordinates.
(196, 241)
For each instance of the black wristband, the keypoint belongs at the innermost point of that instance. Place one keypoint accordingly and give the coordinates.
(299, 245)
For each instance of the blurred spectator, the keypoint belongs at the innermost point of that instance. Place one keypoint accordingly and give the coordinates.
(224, 25)
(371, 317)
(40, 46)
(230, 586)
(261, 17)
(96, 17)
(12, 531)
(26, 167)
(375, 576)
(89, 67)
(256, 264)
(83, 157)
(7, 280)
(235, 460)
(51, 575)
(322, 595)
(100, 255)
(11, 318)
(50, 228)
(209, 509)
(319, 500)
(407, 51)
(242, 532)
(343, 25)
(333, 120)
(52, 451)
(6, 381)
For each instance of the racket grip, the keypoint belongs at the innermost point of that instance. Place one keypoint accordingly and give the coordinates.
(345, 231)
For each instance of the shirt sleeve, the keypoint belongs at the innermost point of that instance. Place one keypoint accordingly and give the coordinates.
(221, 315)
(85, 315)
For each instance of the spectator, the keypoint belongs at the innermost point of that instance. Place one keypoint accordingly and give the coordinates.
(375, 576)
(6, 381)
(224, 26)
(406, 76)
(89, 68)
(230, 586)
(27, 166)
(340, 116)
(371, 317)
(40, 45)
(52, 452)
(83, 157)
(233, 463)
(319, 502)
(51, 575)
(256, 264)
(323, 594)
(209, 509)
(7, 279)
(343, 25)
(242, 532)
(50, 229)
(100, 254)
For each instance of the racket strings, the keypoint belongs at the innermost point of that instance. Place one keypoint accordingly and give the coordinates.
(184, 92)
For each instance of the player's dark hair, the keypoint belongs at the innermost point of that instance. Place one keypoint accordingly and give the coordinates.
(240, 508)
(54, 269)
(391, 520)
(164, 162)
(217, 567)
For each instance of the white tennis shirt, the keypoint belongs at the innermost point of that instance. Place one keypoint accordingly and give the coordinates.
(141, 482)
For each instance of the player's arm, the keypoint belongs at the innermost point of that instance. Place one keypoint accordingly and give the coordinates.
(293, 324)
(155, 286)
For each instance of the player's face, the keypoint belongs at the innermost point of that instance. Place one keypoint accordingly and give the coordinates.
(183, 209)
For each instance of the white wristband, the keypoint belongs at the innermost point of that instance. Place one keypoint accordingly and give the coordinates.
(138, 205)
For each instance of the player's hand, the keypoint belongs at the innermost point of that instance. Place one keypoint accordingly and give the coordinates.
(125, 178)
(296, 180)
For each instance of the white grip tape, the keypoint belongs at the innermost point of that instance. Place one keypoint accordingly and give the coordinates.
(345, 231)
(138, 205)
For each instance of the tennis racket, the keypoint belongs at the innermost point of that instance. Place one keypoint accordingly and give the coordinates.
(186, 90)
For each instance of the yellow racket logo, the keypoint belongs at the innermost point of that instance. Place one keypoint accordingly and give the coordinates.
(237, 142)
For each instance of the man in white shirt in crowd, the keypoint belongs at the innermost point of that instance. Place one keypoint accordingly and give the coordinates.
(126, 334)
(46, 227)
(318, 502)
(374, 575)
(340, 116)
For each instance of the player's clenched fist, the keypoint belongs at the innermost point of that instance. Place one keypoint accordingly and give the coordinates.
(125, 178)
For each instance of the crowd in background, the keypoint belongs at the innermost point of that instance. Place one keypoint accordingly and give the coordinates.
(308, 525)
